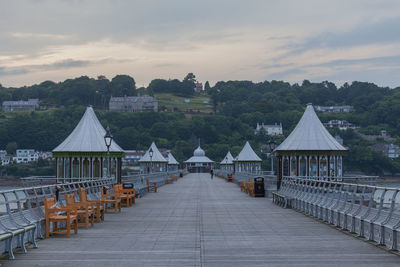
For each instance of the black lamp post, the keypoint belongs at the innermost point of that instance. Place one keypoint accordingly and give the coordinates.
(108, 140)
(272, 146)
(151, 159)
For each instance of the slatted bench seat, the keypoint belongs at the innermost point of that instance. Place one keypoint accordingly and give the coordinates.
(282, 200)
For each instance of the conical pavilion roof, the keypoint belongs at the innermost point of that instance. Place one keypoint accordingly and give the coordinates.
(157, 156)
(229, 157)
(247, 154)
(310, 134)
(171, 160)
(88, 136)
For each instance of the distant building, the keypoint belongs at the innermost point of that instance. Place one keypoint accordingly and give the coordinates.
(198, 87)
(334, 109)
(390, 150)
(275, 129)
(4, 159)
(133, 104)
(45, 155)
(31, 105)
(133, 156)
(339, 139)
(25, 156)
(341, 124)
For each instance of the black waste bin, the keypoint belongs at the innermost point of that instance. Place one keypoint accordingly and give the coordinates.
(259, 190)
(181, 175)
(128, 186)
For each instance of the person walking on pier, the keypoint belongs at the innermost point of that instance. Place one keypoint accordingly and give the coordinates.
(212, 173)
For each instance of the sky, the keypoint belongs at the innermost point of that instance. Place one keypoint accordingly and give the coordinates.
(290, 40)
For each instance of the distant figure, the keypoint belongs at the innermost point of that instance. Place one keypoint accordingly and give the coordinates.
(212, 173)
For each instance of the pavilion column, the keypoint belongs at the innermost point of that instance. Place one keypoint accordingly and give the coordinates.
(57, 175)
(119, 170)
(289, 166)
(298, 165)
(64, 171)
(101, 167)
(329, 166)
(91, 167)
(70, 168)
(308, 166)
(278, 186)
(318, 166)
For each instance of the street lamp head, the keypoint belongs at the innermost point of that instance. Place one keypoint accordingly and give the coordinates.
(108, 138)
(272, 145)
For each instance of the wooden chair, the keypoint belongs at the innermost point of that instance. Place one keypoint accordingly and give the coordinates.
(126, 198)
(151, 186)
(250, 187)
(174, 177)
(169, 180)
(56, 214)
(242, 186)
(113, 199)
(229, 178)
(131, 192)
(85, 210)
(97, 204)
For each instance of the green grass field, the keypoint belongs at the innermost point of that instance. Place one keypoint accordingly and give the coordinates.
(197, 103)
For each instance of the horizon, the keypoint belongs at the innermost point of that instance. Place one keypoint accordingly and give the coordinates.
(291, 41)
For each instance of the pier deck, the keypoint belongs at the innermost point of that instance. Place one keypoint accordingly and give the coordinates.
(202, 222)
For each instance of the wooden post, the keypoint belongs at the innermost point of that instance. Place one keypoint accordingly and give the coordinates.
(279, 180)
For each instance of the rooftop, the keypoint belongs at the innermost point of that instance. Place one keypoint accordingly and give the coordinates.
(310, 135)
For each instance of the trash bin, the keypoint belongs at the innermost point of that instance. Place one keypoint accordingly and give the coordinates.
(128, 186)
(181, 175)
(259, 190)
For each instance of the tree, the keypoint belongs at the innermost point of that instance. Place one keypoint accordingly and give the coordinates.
(11, 148)
(123, 85)
(190, 77)
(207, 86)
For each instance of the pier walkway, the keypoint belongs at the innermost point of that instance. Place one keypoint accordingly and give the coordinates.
(202, 222)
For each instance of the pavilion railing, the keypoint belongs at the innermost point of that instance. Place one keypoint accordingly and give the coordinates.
(357, 179)
(371, 212)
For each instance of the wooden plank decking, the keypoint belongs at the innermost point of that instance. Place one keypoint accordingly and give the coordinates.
(202, 222)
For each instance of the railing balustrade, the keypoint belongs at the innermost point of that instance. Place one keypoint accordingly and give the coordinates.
(372, 212)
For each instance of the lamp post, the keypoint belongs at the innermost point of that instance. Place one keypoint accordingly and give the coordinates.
(272, 146)
(226, 164)
(108, 139)
(151, 159)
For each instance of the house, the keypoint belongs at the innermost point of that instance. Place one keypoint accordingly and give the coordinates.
(334, 109)
(133, 104)
(341, 124)
(133, 156)
(198, 87)
(4, 159)
(25, 156)
(30, 105)
(390, 150)
(275, 129)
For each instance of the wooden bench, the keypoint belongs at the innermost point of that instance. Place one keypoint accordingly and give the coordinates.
(243, 186)
(229, 178)
(111, 198)
(97, 204)
(151, 186)
(127, 195)
(85, 210)
(56, 214)
(174, 177)
(169, 180)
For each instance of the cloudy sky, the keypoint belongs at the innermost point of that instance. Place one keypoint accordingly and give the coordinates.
(290, 40)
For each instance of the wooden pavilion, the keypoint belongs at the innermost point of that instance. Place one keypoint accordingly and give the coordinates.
(83, 154)
(310, 150)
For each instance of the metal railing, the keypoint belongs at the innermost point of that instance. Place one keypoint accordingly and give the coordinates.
(358, 179)
(372, 212)
(48, 180)
(23, 208)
